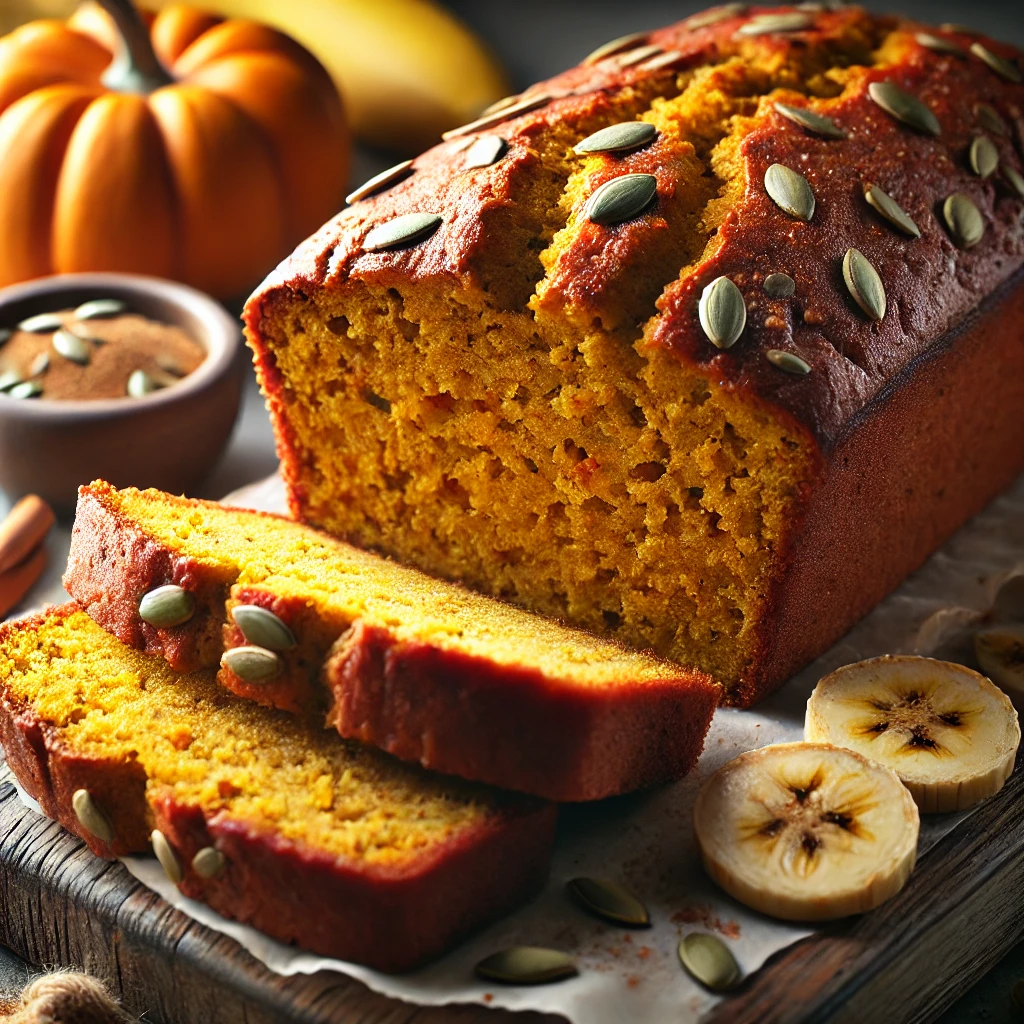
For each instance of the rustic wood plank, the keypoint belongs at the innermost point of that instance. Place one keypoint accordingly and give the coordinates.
(961, 911)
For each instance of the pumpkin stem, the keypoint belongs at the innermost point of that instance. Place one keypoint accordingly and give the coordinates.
(135, 67)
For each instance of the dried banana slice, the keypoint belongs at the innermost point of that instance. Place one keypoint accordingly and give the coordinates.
(1000, 654)
(806, 831)
(949, 734)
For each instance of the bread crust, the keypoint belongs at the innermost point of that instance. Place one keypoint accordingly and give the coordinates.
(389, 918)
(506, 725)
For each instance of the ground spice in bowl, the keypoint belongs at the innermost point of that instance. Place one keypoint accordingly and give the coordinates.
(100, 349)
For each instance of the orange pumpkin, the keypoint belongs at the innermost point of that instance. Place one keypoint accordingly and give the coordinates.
(201, 149)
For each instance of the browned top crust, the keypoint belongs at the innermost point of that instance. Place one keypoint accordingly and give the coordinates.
(931, 284)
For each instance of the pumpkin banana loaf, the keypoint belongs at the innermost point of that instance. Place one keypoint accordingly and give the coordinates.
(422, 668)
(702, 345)
(276, 823)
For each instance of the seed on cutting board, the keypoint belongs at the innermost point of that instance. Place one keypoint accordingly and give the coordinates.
(722, 312)
(939, 44)
(818, 123)
(90, 817)
(1000, 65)
(609, 900)
(788, 362)
(904, 107)
(166, 855)
(41, 323)
(618, 137)
(779, 286)
(764, 24)
(984, 156)
(40, 364)
(990, 119)
(864, 284)
(251, 664)
(790, 191)
(621, 199)
(404, 230)
(262, 628)
(1015, 178)
(167, 606)
(141, 384)
(97, 308)
(884, 204)
(715, 15)
(486, 150)
(964, 220)
(208, 862)
(72, 347)
(379, 182)
(614, 46)
(710, 961)
(27, 389)
(527, 965)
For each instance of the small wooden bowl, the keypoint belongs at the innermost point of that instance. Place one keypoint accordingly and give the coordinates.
(168, 439)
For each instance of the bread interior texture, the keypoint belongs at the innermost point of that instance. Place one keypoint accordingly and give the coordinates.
(515, 426)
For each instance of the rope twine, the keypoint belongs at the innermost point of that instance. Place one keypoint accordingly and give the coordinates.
(66, 997)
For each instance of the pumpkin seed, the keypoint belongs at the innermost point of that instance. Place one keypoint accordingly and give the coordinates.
(959, 27)
(1000, 65)
(939, 44)
(379, 182)
(27, 389)
(489, 120)
(964, 220)
(984, 156)
(779, 286)
(527, 965)
(141, 384)
(715, 15)
(891, 211)
(764, 24)
(609, 900)
(664, 60)
(97, 308)
(722, 312)
(251, 664)
(710, 961)
(904, 107)
(1012, 175)
(614, 46)
(788, 361)
(505, 101)
(637, 56)
(621, 199)
(167, 606)
(42, 323)
(9, 378)
(990, 119)
(400, 231)
(789, 191)
(864, 284)
(208, 862)
(486, 150)
(262, 628)
(5, 334)
(618, 137)
(90, 817)
(40, 364)
(72, 347)
(166, 855)
(813, 122)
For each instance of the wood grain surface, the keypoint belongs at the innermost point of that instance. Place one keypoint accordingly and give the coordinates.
(962, 909)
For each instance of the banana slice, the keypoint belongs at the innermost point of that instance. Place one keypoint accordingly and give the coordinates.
(806, 831)
(1000, 654)
(949, 734)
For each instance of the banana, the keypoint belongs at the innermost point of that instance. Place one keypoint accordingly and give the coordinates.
(1000, 654)
(407, 70)
(946, 731)
(806, 831)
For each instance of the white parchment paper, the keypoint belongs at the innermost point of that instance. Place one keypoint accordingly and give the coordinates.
(646, 839)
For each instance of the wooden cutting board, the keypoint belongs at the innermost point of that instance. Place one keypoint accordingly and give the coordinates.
(905, 962)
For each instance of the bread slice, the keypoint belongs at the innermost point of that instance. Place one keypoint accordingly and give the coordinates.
(422, 668)
(314, 840)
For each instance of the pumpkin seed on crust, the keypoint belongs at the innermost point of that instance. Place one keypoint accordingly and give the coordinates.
(166, 855)
(767, 24)
(617, 138)
(633, 57)
(251, 664)
(400, 231)
(524, 105)
(722, 312)
(262, 628)
(167, 606)
(788, 361)
(964, 220)
(817, 123)
(714, 16)
(1015, 178)
(41, 323)
(864, 284)
(990, 119)
(614, 46)
(621, 199)
(779, 286)
(381, 181)
(1000, 65)
(940, 44)
(905, 107)
(983, 156)
(96, 309)
(884, 204)
(90, 817)
(790, 191)
(486, 150)
(208, 862)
